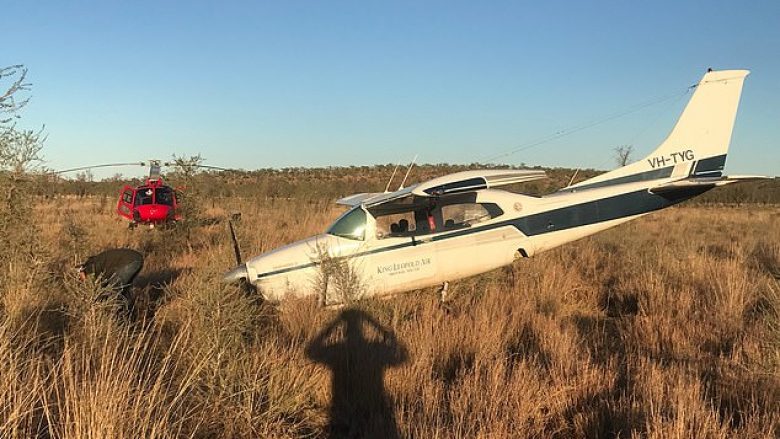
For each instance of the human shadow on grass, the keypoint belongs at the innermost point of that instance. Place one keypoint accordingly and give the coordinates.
(149, 291)
(358, 349)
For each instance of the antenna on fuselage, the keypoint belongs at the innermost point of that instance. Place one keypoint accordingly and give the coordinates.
(408, 170)
(573, 177)
(387, 188)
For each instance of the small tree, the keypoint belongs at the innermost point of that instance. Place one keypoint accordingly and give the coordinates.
(623, 154)
(185, 170)
(20, 153)
(338, 280)
(187, 167)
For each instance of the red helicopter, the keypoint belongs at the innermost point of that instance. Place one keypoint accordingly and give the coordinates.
(153, 203)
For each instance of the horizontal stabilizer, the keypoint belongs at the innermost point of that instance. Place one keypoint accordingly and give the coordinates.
(705, 181)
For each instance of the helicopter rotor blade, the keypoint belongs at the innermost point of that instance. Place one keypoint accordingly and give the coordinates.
(84, 168)
(144, 163)
(216, 168)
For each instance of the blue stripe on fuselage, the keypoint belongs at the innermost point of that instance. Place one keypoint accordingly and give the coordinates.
(583, 214)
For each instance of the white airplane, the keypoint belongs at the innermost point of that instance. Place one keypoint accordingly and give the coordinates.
(460, 225)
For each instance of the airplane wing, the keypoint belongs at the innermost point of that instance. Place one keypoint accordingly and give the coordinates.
(705, 181)
(372, 199)
(356, 199)
(466, 181)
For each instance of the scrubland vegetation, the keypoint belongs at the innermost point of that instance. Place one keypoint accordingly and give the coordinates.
(333, 182)
(665, 327)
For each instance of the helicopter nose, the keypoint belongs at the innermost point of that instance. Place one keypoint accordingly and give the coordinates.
(236, 274)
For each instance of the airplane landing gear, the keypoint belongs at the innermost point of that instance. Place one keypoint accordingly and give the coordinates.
(443, 292)
(444, 304)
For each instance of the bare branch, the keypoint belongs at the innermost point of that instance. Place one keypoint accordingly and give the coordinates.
(9, 102)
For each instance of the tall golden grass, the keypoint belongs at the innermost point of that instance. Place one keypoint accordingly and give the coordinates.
(665, 327)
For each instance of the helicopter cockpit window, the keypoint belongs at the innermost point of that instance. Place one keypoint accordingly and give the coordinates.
(127, 197)
(164, 195)
(144, 196)
(351, 225)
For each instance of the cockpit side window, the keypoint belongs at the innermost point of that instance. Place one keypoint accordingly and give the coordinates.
(351, 225)
(164, 195)
(423, 216)
(127, 196)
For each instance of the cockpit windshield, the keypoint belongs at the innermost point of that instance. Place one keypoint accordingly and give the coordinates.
(144, 196)
(351, 225)
(164, 195)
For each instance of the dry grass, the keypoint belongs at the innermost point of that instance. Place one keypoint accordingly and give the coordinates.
(666, 327)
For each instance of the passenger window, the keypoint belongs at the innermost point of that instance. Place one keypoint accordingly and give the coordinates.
(457, 216)
(395, 225)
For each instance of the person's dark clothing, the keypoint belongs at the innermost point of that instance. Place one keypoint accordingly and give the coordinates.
(115, 267)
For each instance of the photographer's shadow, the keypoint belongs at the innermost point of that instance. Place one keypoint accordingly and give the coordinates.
(357, 350)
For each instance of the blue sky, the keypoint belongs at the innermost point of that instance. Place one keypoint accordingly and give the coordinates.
(273, 84)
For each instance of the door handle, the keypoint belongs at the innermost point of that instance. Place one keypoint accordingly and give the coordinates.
(421, 240)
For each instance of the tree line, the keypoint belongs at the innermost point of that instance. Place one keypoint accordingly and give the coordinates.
(336, 182)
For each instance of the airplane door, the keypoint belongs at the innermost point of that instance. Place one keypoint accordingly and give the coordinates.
(124, 206)
(465, 249)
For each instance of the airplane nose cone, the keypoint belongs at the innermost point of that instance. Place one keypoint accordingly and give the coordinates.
(236, 274)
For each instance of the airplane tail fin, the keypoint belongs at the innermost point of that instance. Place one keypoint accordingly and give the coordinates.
(699, 142)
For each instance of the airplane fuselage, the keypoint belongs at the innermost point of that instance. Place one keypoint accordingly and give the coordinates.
(391, 264)
(460, 225)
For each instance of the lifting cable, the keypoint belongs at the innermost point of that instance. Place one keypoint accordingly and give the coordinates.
(577, 128)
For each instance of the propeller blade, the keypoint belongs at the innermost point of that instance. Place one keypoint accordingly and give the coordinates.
(236, 247)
